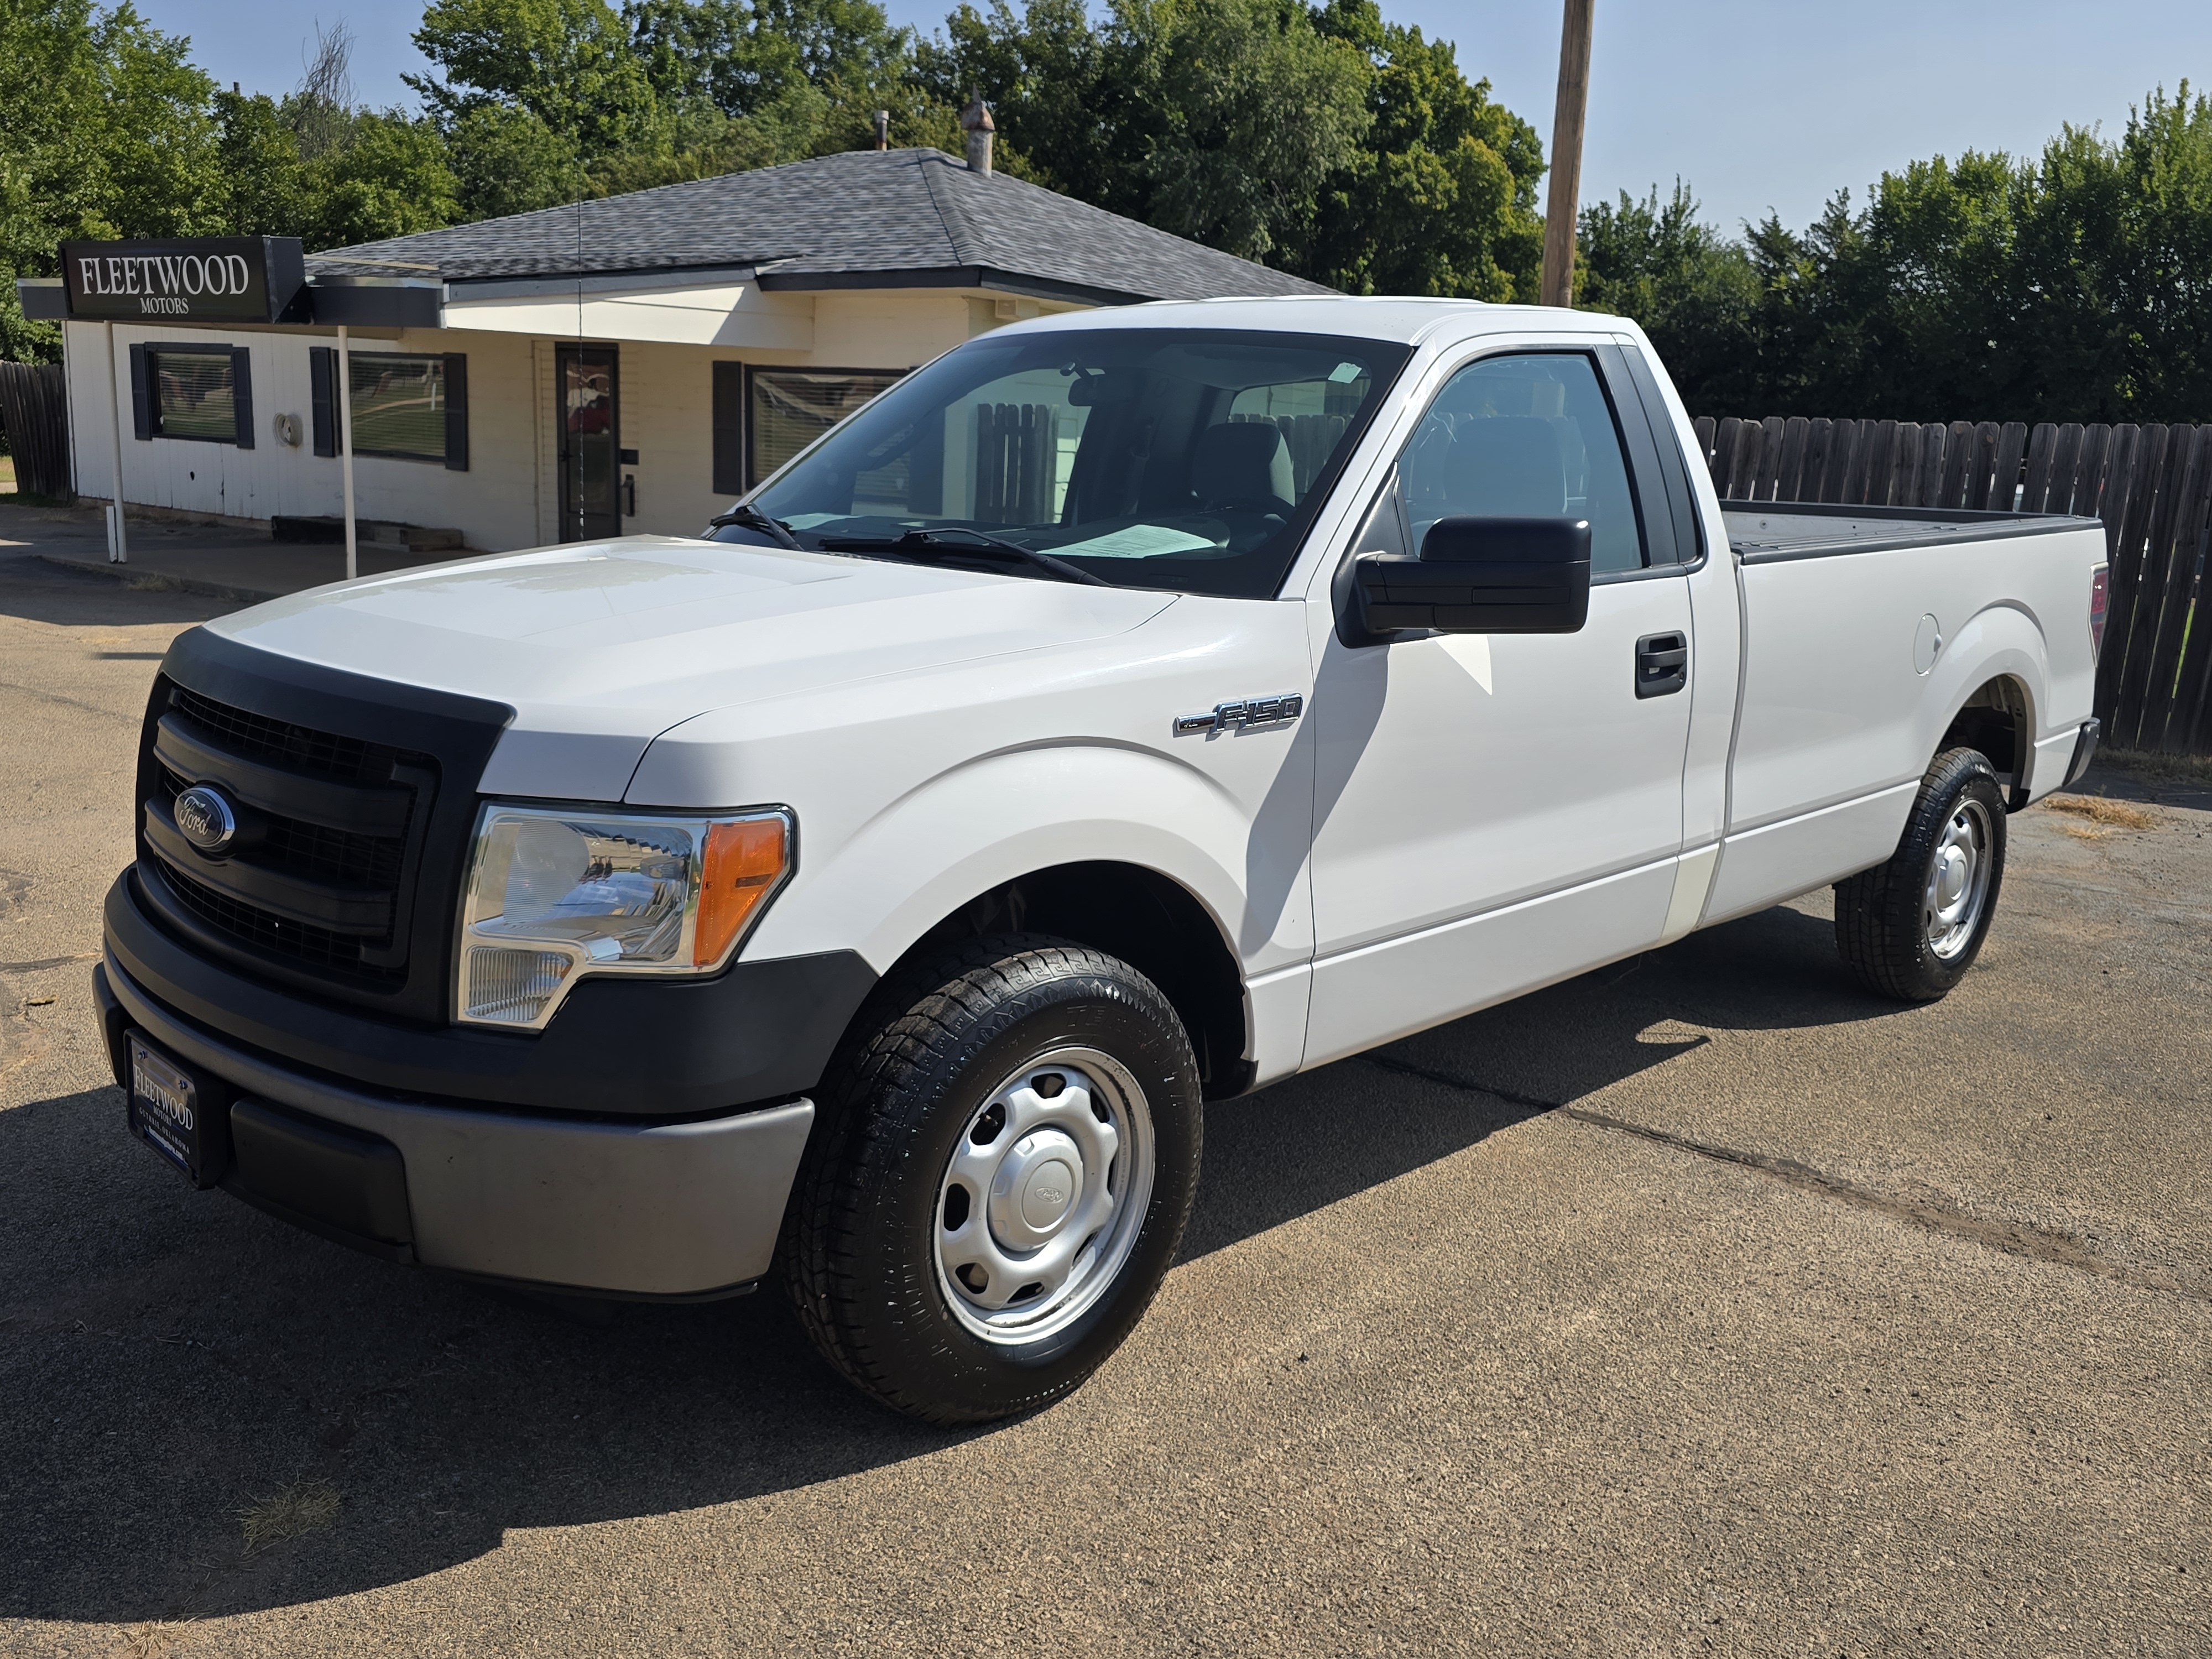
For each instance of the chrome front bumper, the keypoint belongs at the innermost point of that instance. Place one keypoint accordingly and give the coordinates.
(679, 1210)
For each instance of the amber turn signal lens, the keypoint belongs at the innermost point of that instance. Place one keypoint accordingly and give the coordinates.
(743, 864)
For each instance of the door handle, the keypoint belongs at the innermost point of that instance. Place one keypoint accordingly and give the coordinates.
(1663, 664)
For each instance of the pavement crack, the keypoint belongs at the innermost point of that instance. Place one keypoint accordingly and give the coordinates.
(2013, 1238)
(44, 962)
(61, 701)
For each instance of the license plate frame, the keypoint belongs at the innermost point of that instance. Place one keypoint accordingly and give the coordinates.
(173, 1109)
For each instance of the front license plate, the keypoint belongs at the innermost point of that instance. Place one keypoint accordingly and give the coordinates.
(167, 1110)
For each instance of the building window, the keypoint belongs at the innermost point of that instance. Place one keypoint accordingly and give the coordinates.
(790, 408)
(196, 394)
(399, 405)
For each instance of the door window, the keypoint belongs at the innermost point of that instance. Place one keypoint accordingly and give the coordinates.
(1526, 436)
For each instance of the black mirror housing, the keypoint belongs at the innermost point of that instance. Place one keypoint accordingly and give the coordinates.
(1482, 575)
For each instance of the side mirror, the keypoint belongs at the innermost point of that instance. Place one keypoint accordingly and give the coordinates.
(1481, 576)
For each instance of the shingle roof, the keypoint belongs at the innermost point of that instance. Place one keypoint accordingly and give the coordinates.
(900, 216)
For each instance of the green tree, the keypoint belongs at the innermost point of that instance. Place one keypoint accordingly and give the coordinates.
(316, 166)
(1697, 293)
(1065, 117)
(1253, 109)
(1442, 199)
(505, 159)
(2076, 284)
(105, 130)
(568, 63)
(388, 178)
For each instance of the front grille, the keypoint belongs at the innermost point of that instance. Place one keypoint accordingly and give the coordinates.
(356, 799)
(317, 851)
(296, 748)
(302, 858)
(318, 948)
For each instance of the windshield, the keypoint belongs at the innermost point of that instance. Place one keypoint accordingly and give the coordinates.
(1190, 460)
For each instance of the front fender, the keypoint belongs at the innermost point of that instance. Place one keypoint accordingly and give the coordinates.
(914, 794)
(1001, 815)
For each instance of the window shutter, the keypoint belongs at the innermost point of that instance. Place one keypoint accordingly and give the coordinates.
(322, 382)
(729, 429)
(143, 401)
(241, 395)
(457, 412)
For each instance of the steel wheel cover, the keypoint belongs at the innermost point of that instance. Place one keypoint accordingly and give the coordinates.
(1044, 1196)
(1958, 880)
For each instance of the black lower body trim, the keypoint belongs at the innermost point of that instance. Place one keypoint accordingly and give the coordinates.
(2085, 750)
(618, 1047)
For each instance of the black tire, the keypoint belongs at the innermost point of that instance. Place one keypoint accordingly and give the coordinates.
(1888, 928)
(861, 1251)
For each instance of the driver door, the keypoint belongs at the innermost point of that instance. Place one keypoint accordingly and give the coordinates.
(1493, 812)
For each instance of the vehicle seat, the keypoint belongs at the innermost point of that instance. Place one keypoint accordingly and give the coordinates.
(1243, 464)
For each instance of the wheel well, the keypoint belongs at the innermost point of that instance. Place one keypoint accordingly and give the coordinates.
(1149, 922)
(1996, 721)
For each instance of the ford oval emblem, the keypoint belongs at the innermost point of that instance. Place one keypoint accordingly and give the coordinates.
(205, 818)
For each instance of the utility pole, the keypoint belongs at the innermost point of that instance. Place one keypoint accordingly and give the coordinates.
(1558, 282)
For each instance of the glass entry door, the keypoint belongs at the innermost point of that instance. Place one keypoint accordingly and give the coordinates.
(590, 441)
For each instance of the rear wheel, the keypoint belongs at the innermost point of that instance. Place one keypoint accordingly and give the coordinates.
(1001, 1180)
(1909, 928)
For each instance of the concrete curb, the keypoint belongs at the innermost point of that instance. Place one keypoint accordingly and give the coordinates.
(159, 581)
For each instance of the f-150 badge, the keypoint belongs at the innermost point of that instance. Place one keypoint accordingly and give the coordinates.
(1252, 711)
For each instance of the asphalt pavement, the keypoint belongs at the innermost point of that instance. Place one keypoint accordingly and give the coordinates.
(1704, 1305)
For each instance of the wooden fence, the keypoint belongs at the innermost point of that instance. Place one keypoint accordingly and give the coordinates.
(2150, 485)
(34, 413)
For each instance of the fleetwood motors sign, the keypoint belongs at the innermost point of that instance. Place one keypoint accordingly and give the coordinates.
(205, 279)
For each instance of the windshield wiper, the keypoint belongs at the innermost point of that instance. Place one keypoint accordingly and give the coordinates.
(751, 517)
(986, 545)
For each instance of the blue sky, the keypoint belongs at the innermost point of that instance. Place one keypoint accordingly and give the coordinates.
(1758, 105)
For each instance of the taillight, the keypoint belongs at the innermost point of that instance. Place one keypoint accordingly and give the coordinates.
(2101, 590)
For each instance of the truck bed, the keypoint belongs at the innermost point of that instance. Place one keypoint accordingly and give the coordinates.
(1763, 531)
(1853, 667)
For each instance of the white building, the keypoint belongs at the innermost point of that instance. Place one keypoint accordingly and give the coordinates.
(631, 364)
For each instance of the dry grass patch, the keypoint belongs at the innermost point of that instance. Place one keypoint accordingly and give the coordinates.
(2105, 815)
(303, 1507)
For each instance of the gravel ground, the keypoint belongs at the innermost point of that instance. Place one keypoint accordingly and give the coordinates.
(1703, 1304)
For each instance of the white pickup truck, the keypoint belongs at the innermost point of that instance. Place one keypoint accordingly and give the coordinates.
(1125, 711)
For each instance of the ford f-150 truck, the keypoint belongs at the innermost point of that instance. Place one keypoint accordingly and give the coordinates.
(1124, 711)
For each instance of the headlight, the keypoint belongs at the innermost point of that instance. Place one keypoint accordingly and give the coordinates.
(555, 895)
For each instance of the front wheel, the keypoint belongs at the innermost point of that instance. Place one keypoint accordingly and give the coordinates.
(1909, 928)
(1001, 1180)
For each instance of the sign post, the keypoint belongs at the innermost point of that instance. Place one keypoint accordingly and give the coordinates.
(118, 545)
(344, 402)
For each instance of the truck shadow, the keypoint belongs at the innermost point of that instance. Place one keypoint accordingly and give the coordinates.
(170, 1359)
(1355, 1124)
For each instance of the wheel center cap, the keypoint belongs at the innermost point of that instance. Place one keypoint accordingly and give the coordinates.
(1038, 1184)
(1046, 1194)
(1951, 880)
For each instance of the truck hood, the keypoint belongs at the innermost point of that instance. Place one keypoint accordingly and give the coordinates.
(599, 646)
